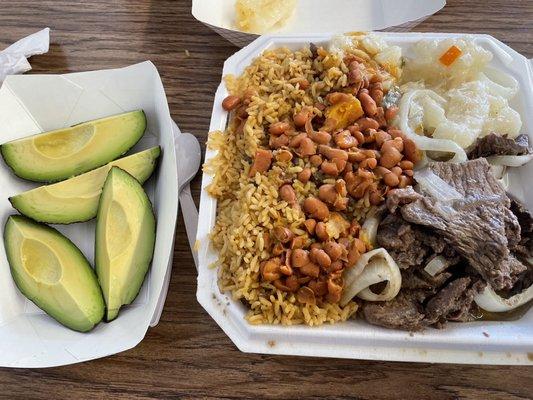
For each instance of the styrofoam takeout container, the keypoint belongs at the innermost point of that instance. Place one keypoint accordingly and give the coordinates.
(319, 16)
(482, 342)
(31, 104)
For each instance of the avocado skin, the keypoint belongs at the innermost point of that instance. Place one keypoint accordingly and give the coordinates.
(153, 231)
(14, 200)
(32, 177)
(55, 314)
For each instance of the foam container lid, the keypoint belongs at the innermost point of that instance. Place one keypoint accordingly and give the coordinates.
(319, 16)
(482, 342)
(31, 104)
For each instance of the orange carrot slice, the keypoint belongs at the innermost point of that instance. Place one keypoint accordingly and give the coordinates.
(449, 57)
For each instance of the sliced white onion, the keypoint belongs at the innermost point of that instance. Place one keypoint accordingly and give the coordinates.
(434, 185)
(498, 171)
(423, 142)
(373, 267)
(436, 265)
(510, 161)
(489, 300)
(369, 230)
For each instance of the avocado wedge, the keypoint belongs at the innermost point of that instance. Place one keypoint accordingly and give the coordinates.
(76, 199)
(63, 153)
(125, 239)
(53, 273)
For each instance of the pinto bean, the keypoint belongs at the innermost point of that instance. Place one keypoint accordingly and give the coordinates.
(276, 142)
(310, 225)
(306, 148)
(382, 137)
(377, 95)
(315, 208)
(333, 249)
(375, 198)
(304, 175)
(286, 270)
(329, 168)
(411, 152)
(340, 163)
(406, 164)
(368, 163)
(391, 112)
(360, 189)
(305, 295)
(284, 156)
(300, 118)
(315, 160)
(320, 257)
(278, 128)
(270, 269)
(310, 269)
(296, 140)
(391, 179)
(345, 140)
(381, 171)
(328, 193)
(356, 156)
(397, 143)
(298, 242)
(340, 187)
(320, 137)
(278, 249)
(396, 171)
(262, 161)
(396, 133)
(282, 234)
(231, 102)
(405, 181)
(321, 231)
(330, 152)
(408, 172)
(364, 174)
(355, 227)
(390, 157)
(288, 194)
(338, 97)
(353, 255)
(299, 258)
(368, 104)
(367, 123)
(334, 290)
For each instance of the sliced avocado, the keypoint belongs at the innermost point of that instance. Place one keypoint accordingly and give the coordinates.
(63, 153)
(125, 239)
(53, 273)
(76, 199)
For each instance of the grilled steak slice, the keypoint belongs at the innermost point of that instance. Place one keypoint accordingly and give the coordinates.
(496, 145)
(480, 225)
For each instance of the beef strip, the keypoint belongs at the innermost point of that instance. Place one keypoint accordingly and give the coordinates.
(480, 226)
(407, 311)
(453, 302)
(496, 145)
(404, 312)
(408, 244)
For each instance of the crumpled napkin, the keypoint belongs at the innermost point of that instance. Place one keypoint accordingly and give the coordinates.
(14, 59)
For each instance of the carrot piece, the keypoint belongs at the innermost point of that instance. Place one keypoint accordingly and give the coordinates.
(449, 57)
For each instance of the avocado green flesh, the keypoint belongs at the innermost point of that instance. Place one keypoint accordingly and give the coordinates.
(53, 273)
(76, 199)
(125, 239)
(63, 153)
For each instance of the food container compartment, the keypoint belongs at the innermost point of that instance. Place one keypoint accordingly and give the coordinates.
(360, 15)
(483, 342)
(31, 104)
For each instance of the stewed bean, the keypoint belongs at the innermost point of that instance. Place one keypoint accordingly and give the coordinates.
(315, 208)
(231, 102)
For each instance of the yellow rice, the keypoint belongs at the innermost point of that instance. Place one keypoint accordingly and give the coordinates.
(250, 207)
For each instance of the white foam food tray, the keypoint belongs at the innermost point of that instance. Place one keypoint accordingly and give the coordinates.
(30, 104)
(483, 342)
(319, 16)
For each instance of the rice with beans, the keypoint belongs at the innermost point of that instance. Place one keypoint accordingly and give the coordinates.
(274, 89)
